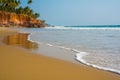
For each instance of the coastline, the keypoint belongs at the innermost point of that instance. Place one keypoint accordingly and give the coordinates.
(72, 53)
(20, 64)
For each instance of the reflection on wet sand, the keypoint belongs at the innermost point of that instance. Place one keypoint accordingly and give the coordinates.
(20, 39)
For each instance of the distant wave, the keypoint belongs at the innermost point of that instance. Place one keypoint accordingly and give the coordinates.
(85, 27)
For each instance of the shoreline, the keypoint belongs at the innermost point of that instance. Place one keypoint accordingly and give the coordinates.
(32, 63)
(75, 55)
(70, 52)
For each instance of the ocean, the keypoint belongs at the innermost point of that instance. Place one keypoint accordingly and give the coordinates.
(96, 46)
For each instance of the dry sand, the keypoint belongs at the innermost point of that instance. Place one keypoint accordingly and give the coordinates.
(20, 64)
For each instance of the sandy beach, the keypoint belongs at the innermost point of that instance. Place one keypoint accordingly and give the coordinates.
(18, 63)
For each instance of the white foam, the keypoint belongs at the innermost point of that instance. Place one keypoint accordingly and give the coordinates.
(84, 28)
(49, 44)
(78, 56)
(75, 50)
(56, 27)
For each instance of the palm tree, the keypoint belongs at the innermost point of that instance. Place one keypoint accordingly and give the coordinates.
(2, 4)
(31, 13)
(12, 4)
(29, 1)
(20, 10)
(36, 15)
(9, 5)
(26, 10)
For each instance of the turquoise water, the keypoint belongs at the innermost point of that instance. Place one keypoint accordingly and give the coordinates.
(101, 45)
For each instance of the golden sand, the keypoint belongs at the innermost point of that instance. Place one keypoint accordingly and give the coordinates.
(19, 64)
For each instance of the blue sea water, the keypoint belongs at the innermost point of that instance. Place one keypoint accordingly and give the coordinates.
(101, 43)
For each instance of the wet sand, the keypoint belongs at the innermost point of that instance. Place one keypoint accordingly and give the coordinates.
(17, 63)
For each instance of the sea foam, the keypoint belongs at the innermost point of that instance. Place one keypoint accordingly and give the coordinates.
(79, 57)
(84, 28)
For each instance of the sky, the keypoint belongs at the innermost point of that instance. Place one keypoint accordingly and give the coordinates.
(77, 12)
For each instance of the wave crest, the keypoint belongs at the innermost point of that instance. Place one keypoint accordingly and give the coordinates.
(87, 28)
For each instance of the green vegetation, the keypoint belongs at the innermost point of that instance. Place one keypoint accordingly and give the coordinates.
(14, 6)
